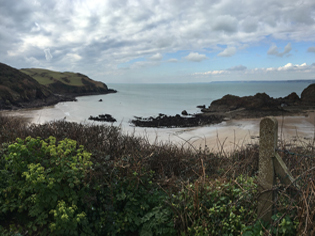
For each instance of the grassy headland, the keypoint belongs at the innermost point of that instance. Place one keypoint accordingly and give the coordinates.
(29, 88)
(133, 187)
(67, 82)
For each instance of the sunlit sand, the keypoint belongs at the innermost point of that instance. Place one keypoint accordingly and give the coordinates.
(227, 136)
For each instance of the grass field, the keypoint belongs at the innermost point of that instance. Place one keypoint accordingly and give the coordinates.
(46, 77)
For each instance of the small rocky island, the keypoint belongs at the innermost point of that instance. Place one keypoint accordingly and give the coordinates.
(29, 88)
(235, 107)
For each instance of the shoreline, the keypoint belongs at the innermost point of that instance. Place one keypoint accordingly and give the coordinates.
(237, 133)
(226, 136)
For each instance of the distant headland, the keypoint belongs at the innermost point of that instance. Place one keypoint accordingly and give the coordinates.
(29, 88)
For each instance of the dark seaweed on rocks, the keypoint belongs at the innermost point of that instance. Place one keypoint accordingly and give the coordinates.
(177, 121)
(104, 118)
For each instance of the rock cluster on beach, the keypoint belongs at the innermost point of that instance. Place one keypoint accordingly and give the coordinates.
(104, 118)
(165, 121)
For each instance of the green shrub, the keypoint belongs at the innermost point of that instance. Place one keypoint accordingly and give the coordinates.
(282, 226)
(217, 207)
(42, 186)
(132, 203)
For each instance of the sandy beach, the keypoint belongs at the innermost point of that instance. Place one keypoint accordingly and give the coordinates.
(235, 134)
(227, 136)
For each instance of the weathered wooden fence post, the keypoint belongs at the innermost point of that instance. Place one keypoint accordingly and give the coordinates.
(266, 175)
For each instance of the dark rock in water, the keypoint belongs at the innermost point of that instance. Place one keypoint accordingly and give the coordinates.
(184, 113)
(164, 121)
(100, 100)
(201, 106)
(308, 95)
(104, 118)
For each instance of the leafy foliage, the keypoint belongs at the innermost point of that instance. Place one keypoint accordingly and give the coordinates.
(42, 185)
(216, 208)
(136, 188)
(129, 201)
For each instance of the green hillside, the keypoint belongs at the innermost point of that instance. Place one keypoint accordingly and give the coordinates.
(28, 88)
(46, 77)
(18, 89)
(67, 82)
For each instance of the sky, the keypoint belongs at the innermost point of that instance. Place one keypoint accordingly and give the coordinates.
(162, 41)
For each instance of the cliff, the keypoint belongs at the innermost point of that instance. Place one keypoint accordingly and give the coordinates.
(28, 88)
(18, 90)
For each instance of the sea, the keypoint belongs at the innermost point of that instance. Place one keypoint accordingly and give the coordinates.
(145, 100)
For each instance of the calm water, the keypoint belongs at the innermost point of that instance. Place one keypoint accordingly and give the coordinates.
(151, 99)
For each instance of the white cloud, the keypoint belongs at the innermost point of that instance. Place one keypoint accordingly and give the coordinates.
(172, 60)
(212, 72)
(228, 52)
(48, 55)
(105, 34)
(273, 50)
(196, 57)
(289, 67)
(156, 57)
(73, 57)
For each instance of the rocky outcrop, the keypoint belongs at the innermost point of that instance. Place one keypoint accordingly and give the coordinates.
(164, 121)
(103, 118)
(308, 95)
(261, 104)
(260, 101)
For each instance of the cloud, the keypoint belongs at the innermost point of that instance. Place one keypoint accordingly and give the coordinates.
(228, 52)
(289, 67)
(172, 60)
(196, 57)
(273, 50)
(226, 23)
(237, 68)
(311, 49)
(48, 55)
(107, 33)
(156, 57)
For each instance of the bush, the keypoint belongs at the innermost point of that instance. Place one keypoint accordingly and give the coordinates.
(216, 207)
(130, 202)
(42, 186)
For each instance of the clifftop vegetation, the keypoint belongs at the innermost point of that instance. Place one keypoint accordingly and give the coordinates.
(18, 89)
(67, 82)
(38, 87)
